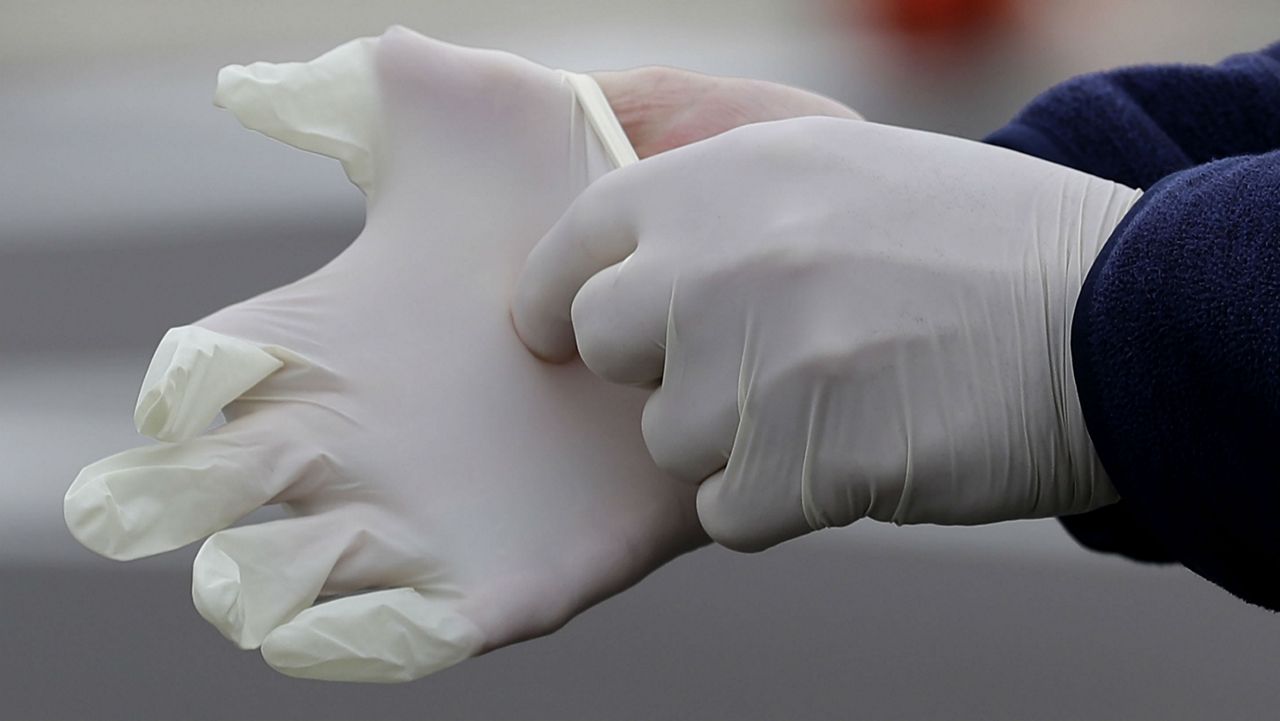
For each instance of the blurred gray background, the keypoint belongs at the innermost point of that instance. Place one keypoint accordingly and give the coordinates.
(128, 204)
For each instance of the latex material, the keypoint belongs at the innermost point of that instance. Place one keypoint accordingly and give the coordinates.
(596, 107)
(848, 320)
(485, 497)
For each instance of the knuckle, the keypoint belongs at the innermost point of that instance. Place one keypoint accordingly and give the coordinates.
(727, 523)
(604, 198)
(593, 327)
(658, 427)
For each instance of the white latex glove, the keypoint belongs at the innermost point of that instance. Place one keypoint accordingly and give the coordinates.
(848, 320)
(385, 398)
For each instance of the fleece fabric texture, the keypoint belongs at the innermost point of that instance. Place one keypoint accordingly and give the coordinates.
(1176, 341)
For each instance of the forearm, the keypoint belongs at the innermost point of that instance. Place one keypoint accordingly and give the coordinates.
(1175, 346)
(1136, 126)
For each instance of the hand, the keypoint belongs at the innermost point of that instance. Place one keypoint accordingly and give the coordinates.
(458, 494)
(664, 108)
(847, 319)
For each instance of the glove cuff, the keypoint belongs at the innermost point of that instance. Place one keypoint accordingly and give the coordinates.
(1104, 206)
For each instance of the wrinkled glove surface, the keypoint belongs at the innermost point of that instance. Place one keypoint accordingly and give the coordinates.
(847, 320)
(455, 493)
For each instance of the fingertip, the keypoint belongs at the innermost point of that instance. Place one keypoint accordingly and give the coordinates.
(92, 516)
(547, 339)
(107, 514)
(248, 580)
(193, 374)
(328, 105)
(745, 522)
(153, 499)
(719, 522)
(215, 592)
(380, 637)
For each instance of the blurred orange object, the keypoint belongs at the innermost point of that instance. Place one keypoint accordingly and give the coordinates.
(940, 19)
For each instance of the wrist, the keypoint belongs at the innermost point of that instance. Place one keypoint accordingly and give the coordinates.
(642, 97)
(1104, 205)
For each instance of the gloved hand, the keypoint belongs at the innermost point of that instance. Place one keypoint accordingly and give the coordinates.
(385, 399)
(847, 319)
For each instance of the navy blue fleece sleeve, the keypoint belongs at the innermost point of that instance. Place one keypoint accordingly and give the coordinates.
(1137, 126)
(1176, 348)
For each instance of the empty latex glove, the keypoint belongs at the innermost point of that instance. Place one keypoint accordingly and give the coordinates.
(479, 496)
(848, 320)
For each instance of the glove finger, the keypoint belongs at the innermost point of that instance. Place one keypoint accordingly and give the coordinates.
(592, 235)
(690, 422)
(157, 498)
(757, 501)
(194, 373)
(689, 431)
(328, 105)
(384, 636)
(620, 323)
(246, 581)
